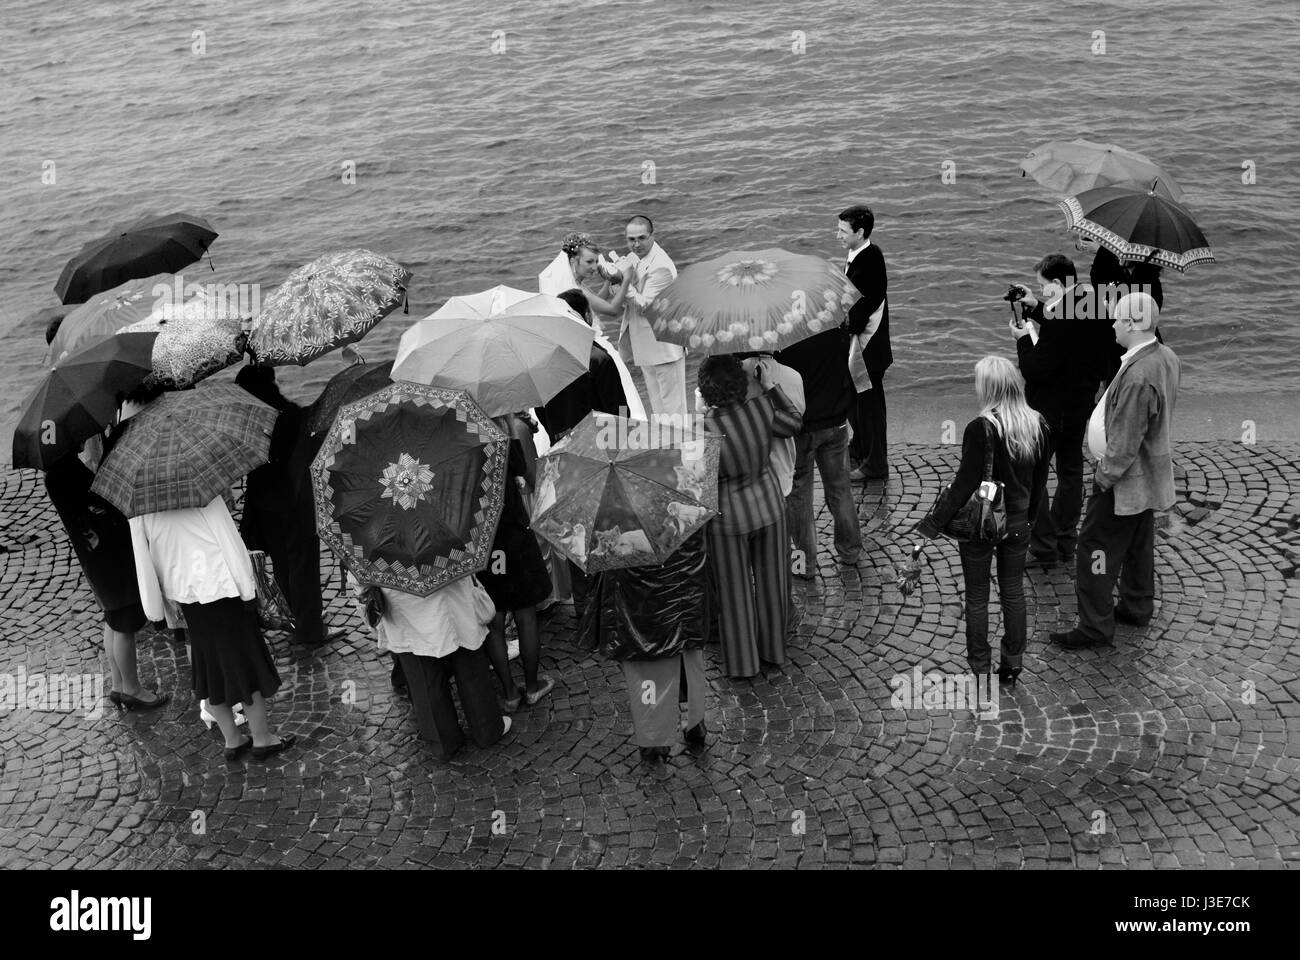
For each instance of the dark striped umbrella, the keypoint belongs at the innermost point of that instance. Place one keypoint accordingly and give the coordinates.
(185, 449)
(150, 245)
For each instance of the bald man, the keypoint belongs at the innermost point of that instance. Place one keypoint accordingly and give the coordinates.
(662, 364)
(1128, 433)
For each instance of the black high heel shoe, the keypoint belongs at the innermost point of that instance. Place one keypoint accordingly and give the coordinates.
(128, 702)
(697, 735)
(1008, 676)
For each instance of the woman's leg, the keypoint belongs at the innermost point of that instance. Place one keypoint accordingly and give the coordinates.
(735, 580)
(770, 557)
(1011, 591)
(495, 645)
(477, 696)
(259, 721)
(435, 713)
(976, 559)
(530, 645)
(110, 651)
(225, 718)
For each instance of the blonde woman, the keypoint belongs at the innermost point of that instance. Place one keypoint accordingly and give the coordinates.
(1018, 443)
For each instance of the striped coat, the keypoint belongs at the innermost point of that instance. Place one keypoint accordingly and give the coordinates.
(749, 496)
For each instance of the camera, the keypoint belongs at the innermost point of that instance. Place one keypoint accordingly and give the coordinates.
(1013, 294)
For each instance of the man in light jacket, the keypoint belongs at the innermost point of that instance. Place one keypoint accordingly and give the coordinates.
(662, 364)
(1129, 434)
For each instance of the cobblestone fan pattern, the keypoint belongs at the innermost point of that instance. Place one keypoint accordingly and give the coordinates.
(1177, 747)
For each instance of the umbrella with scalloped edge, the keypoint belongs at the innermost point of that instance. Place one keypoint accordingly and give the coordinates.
(1138, 225)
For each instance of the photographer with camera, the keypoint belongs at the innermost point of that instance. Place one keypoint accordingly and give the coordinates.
(1059, 368)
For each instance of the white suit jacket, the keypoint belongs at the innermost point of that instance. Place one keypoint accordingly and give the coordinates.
(636, 340)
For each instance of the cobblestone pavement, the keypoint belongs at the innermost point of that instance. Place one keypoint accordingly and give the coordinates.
(1146, 754)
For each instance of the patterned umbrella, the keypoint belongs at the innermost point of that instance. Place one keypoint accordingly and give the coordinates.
(331, 301)
(80, 397)
(510, 352)
(349, 385)
(106, 313)
(148, 246)
(194, 342)
(625, 493)
(185, 449)
(752, 300)
(1071, 167)
(409, 486)
(1138, 225)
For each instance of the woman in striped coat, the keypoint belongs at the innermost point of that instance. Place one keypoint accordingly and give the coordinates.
(748, 545)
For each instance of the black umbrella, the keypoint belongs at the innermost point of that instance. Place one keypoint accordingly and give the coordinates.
(148, 246)
(349, 384)
(80, 396)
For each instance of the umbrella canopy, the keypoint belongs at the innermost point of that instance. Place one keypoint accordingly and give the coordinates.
(80, 397)
(508, 352)
(148, 246)
(1072, 166)
(185, 449)
(752, 300)
(334, 300)
(193, 342)
(106, 313)
(409, 486)
(349, 385)
(1138, 226)
(625, 493)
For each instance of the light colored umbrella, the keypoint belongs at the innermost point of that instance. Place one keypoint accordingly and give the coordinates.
(185, 449)
(334, 300)
(1138, 226)
(510, 350)
(107, 313)
(194, 341)
(1072, 166)
(752, 300)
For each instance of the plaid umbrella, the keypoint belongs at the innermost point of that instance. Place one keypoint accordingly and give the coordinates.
(409, 486)
(79, 397)
(1138, 225)
(107, 312)
(1071, 167)
(150, 245)
(334, 300)
(194, 341)
(185, 449)
(751, 300)
(625, 493)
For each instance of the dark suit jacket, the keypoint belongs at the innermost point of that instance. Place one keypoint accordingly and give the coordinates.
(1139, 414)
(1060, 370)
(867, 271)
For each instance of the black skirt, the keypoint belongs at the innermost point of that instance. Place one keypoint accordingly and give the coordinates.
(128, 619)
(229, 660)
(522, 580)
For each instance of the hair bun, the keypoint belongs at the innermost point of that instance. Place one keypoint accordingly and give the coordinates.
(573, 242)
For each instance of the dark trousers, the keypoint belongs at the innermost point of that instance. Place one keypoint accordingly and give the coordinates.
(869, 447)
(294, 549)
(1114, 548)
(976, 561)
(429, 680)
(580, 584)
(1056, 526)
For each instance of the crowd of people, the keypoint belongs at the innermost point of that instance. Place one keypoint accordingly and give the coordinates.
(817, 404)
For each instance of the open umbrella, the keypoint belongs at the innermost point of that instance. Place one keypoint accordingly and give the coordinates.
(334, 300)
(347, 386)
(509, 352)
(107, 312)
(1138, 225)
(194, 342)
(80, 397)
(625, 493)
(148, 246)
(185, 449)
(751, 300)
(409, 486)
(1073, 166)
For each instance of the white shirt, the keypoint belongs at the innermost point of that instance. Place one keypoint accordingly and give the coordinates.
(1097, 422)
(781, 459)
(190, 556)
(651, 274)
(852, 255)
(437, 625)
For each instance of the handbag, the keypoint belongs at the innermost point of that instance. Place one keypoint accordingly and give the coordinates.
(273, 611)
(982, 518)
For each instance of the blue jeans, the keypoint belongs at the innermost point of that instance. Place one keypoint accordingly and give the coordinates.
(829, 449)
(976, 560)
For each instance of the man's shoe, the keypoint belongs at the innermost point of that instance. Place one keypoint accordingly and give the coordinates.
(697, 735)
(1043, 559)
(857, 475)
(1123, 616)
(1076, 640)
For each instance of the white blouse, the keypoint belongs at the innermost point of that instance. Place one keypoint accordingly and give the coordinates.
(453, 617)
(190, 556)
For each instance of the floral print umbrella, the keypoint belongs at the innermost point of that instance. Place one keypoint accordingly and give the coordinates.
(194, 341)
(752, 300)
(409, 486)
(625, 493)
(334, 300)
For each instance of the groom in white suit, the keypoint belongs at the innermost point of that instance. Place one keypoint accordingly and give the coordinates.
(662, 364)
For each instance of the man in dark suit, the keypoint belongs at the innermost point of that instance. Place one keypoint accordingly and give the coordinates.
(870, 354)
(1060, 383)
(1129, 433)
